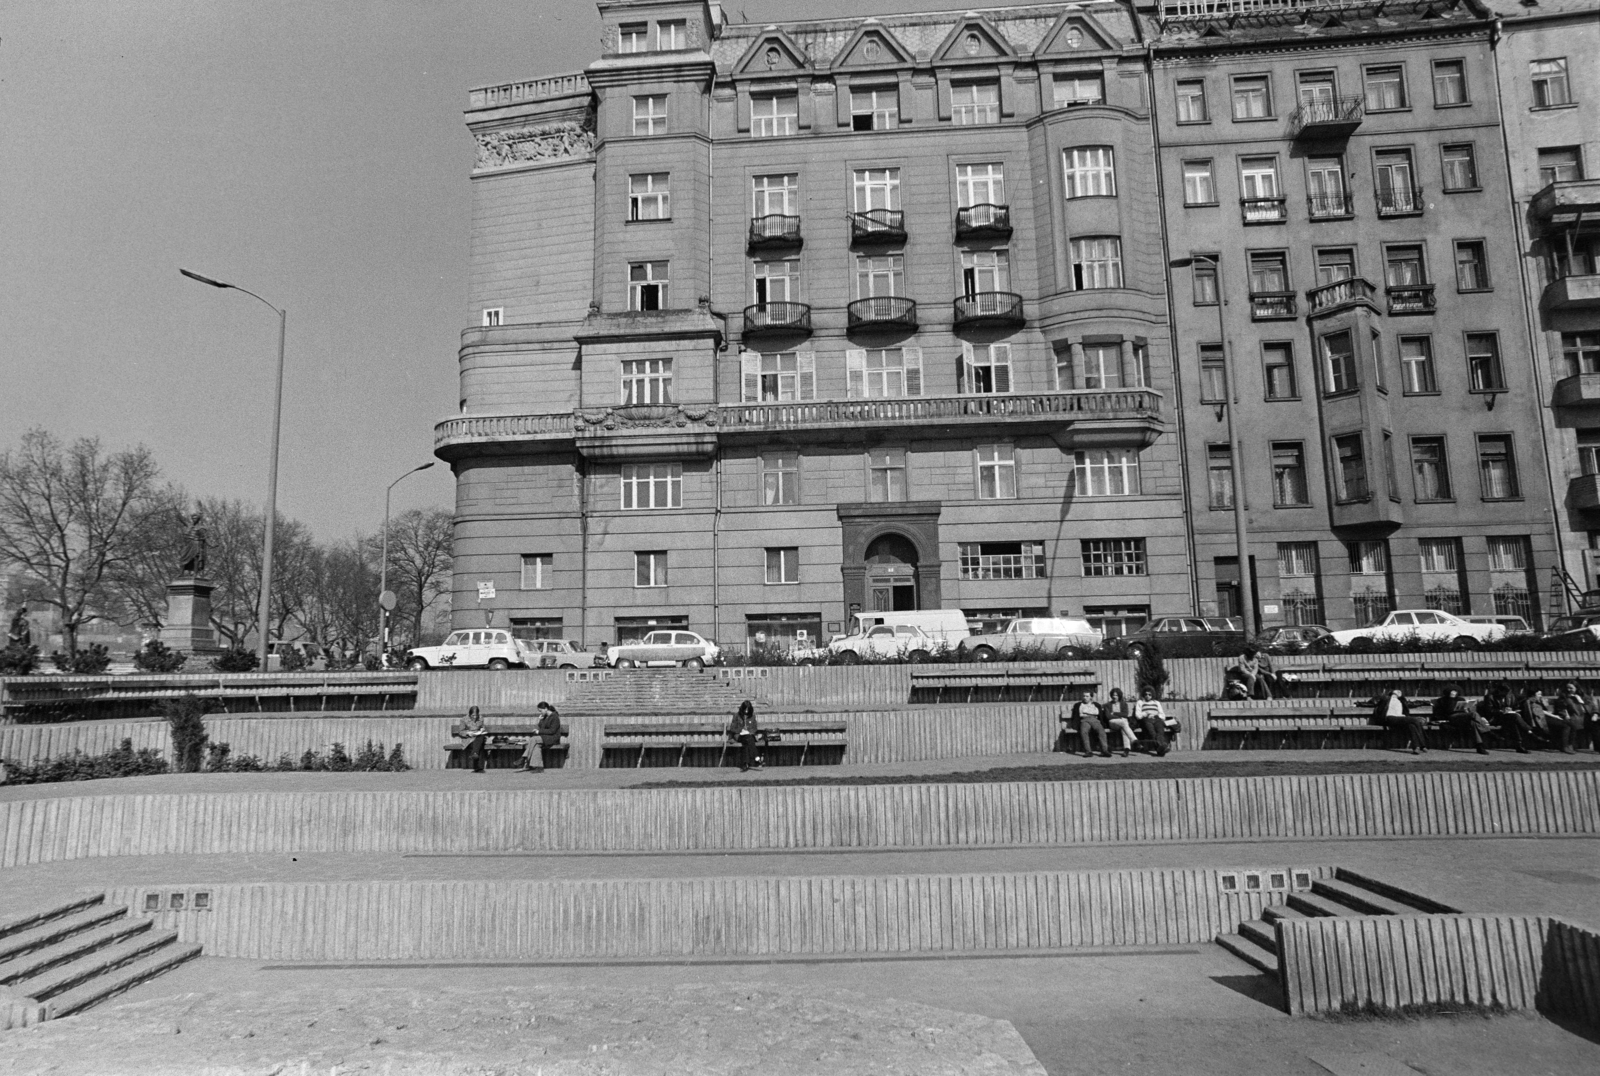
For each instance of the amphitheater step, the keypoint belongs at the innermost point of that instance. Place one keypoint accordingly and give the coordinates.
(1274, 912)
(1249, 952)
(125, 977)
(1413, 902)
(48, 985)
(1312, 905)
(36, 962)
(58, 928)
(1357, 899)
(1261, 933)
(644, 692)
(30, 920)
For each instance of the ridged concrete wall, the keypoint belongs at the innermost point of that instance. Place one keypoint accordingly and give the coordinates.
(806, 817)
(707, 917)
(1390, 962)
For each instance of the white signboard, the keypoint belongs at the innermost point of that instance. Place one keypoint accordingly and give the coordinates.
(485, 590)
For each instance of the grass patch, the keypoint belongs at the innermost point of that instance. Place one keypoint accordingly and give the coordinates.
(1354, 1012)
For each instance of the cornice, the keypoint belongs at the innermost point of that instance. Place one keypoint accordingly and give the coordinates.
(652, 68)
(1319, 43)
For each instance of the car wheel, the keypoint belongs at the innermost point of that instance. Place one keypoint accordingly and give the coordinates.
(983, 653)
(917, 657)
(499, 664)
(694, 665)
(849, 657)
(1069, 653)
(1466, 642)
(416, 664)
(1362, 644)
(625, 663)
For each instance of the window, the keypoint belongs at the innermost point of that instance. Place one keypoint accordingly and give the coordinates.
(1289, 475)
(1106, 472)
(1350, 469)
(1102, 367)
(1497, 467)
(1367, 561)
(1252, 99)
(672, 34)
(1259, 189)
(1219, 476)
(1192, 101)
(1205, 281)
(493, 316)
(646, 381)
(1199, 188)
(1550, 87)
(1581, 352)
(536, 570)
(974, 103)
(980, 184)
(1416, 366)
(1369, 558)
(1318, 95)
(1430, 469)
(1386, 88)
(1070, 90)
(1460, 167)
(1325, 187)
(780, 478)
(1213, 374)
(1509, 560)
(997, 472)
(884, 373)
(1396, 183)
(1335, 264)
(633, 37)
(1269, 277)
(1441, 575)
(647, 286)
(1559, 164)
(985, 368)
(778, 377)
(777, 195)
(1278, 367)
(1097, 262)
(886, 474)
(1402, 266)
(1299, 569)
(1508, 554)
(1574, 254)
(1090, 172)
(649, 197)
(652, 485)
(775, 281)
(882, 274)
(773, 115)
(1589, 455)
(650, 114)
(1449, 83)
(985, 271)
(1472, 265)
(783, 565)
(875, 109)
(1002, 560)
(1112, 556)
(1483, 363)
(877, 188)
(1338, 363)
(650, 569)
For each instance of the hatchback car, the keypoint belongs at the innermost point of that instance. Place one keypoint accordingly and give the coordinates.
(479, 649)
(559, 654)
(664, 648)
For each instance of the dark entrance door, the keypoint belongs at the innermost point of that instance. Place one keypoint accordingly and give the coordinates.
(891, 562)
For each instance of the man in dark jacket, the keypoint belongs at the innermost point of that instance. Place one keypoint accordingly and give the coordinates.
(1087, 714)
(476, 736)
(1394, 711)
(1501, 710)
(548, 735)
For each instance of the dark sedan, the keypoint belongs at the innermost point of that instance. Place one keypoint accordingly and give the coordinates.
(1295, 638)
(1187, 637)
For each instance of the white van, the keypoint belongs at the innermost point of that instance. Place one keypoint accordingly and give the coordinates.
(948, 626)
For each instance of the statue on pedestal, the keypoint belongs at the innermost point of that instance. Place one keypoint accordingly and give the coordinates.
(193, 560)
(21, 632)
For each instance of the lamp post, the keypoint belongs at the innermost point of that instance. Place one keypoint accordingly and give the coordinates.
(264, 611)
(383, 565)
(1241, 536)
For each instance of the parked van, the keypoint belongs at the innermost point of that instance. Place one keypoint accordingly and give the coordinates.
(948, 626)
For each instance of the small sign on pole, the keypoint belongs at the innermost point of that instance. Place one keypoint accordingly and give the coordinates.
(485, 590)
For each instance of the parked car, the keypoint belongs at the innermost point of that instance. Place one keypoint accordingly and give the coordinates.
(483, 648)
(316, 659)
(665, 648)
(1038, 636)
(904, 641)
(559, 654)
(1187, 637)
(1294, 638)
(1582, 626)
(947, 626)
(1514, 625)
(1433, 625)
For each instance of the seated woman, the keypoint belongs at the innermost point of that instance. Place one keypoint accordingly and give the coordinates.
(1450, 710)
(1120, 718)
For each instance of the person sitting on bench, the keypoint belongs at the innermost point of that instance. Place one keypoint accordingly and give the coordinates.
(1500, 710)
(1394, 711)
(1570, 715)
(1152, 717)
(1086, 715)
(548, 736)
(476, 735)
(1450, 711)
(1250, 678)
(744, 731)
(1120, 718)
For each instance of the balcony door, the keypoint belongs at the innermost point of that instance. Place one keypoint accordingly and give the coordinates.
(1317, 97)
(1325, 185)
(1396, 182)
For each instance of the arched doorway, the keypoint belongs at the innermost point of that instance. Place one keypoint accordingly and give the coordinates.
(891, 562)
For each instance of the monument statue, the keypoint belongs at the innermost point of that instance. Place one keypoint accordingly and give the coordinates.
(21, 632)
(196, 536)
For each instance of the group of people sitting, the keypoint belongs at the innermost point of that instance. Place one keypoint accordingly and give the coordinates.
(1091, 720)
(1528, 719)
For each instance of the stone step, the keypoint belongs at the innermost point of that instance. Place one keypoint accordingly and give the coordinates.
(62, 979)
(58, 929)
(1249, 952)
(125, 977)
(36, 962)
(1274, 912)
(1261, 933)
(1312, 905)
(1360, 901)
(27, 921)
(1414, 902)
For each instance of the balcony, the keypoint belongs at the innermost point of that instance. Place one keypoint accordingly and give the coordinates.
(1272, 305)
(882, 312)
(1334, 117)
(983, 222)
(878, 226)
(1561, 204)
(776, 319)
(774, 231)
(989, 308)
(1583, 493)
(1340, 295)
(1410, 298)
(1400, 201)
(1331, 206)
(1573, 293)
(1579, 392)
(1264, 210)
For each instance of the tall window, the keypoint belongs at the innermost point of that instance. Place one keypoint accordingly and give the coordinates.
(1002, 560)
(537, 570)
(493, 316)
(1460, 167)
(1509, 560)
(974, 103)
(1252, 98)
(877, 188)
(650, 114)
(1192, 101)
(783, 565)
(886, 474)
(647, 286)
(1350, 469)
(1369, 583)
(1335, 264)
(1430, 469)
(1369, 558)
(1199, 188)
(650, 569)
(775, 281)
(1581, 352)
(882, 274)
(1269, 272)
(1219, 476)
(884, 373)
(1559, 164)
(1497, 467)
(1386, 88)
(1097, 262)
(1416, 366)
(780, 478)
(874, 109)
(980, 184)
(633, 37)
(1205, 281)
(777, 195)
(1483, 363)
(1102, 367)
(1299, 572)
(1472, 265)
(997, 472)
(1106, 472)
(1325, 187)
(1318, 93)
(1258, 180)
(672, 34)
(1338, 363)
(1396, 183)
(985, 271)
(778, 377)
(1589, 453)
(1278, 367)
(1289, 474)
(985, 368)
(649, 197)
(1550, 86)
(1090, 171)
(773, 115)
(646, 381)
(1213, 374)
(1402, 266)
(652, 485)
(1070, 90)
(1449, 83)
(1441, 573)
(1112, 556)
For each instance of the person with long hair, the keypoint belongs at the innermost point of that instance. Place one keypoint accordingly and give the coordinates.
(476, 736)
(744, 731)
(1450, 711)
(1120, 718)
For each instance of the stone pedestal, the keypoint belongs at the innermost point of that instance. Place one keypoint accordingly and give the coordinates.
(188, 627)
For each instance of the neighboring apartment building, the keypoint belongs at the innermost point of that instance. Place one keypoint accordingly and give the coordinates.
(775, 324)
(1343, 163)
(1549, 67)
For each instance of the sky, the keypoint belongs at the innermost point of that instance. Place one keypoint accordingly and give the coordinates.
(312, 151)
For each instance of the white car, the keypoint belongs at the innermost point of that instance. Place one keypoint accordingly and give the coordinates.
(665, 648)
(1037, 637)
(559, 654)
(483, 648)
(1428, 624)
(903, 641)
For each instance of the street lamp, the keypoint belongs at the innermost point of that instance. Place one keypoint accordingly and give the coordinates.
(1241, 537)
(385, 600)
(264, 613)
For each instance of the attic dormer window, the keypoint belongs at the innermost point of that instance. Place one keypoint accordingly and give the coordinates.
(633, 37)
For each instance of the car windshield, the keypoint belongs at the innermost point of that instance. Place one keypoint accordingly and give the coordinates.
(1567, 623)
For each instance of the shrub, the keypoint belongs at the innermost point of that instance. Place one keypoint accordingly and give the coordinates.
(397, 759)
(338, 759)
(122, 762)
(236, 659)
(285, 762)
(1150, 671)
(19, 659)
(219, 759)
(90, 661)
(157, 657)
(291, 660)
(371, 663)
(186, 718)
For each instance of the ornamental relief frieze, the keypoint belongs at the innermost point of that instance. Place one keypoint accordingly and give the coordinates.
(535, 145)
(646, 416)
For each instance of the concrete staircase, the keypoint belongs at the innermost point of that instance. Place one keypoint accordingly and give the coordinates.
(65, 959)
(1346, 893)
(644, 692)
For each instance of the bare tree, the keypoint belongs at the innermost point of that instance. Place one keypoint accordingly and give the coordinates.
(345, 607)
(420, 543)
(140, 582)
(69, 519)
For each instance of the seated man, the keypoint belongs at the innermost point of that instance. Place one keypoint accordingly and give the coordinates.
(1086, 714)
(1250, 678)
(476, 735)
(1152, 717)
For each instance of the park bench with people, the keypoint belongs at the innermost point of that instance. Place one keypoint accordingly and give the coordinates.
(706, 743)
(504, 747)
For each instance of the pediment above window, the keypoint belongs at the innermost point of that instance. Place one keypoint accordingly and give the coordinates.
(1077, 32)
(774, 52)
(871, 46)
(973, 38)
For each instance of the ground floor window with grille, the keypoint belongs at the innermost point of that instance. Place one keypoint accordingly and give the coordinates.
(650, 568)
(1115, 620)
(1370, 589)
(1106, 472)
(1511, 577)
(782, 631)
(536, 627)
(783, 564)
(1002, 560)
(1300, 582)
(1113, 556)
(1441, 574)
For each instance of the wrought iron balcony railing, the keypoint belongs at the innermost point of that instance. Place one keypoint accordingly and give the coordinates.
(1331, 117)
(1410, 298)
(775, 318)
(989, 308)
(1331, 206)
(983, 222)
(882, 312)
(1399, 201)
(878, 226)
(1264, 210)
(1272, 305)
(774, 230)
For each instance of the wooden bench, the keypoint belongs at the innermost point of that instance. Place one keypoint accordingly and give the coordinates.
(641, 738)
(49, 698)
(1285, 722)
(988, 683)
(503, 748)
